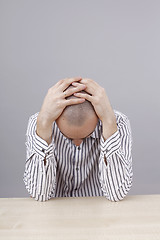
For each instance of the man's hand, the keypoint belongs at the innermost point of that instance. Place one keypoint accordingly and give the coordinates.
(99, 99)
(55, 100)
(54, 104)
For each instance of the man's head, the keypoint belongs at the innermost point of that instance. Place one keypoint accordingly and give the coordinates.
(77, 121)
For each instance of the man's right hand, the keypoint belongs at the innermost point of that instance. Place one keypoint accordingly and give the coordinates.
(54, 103)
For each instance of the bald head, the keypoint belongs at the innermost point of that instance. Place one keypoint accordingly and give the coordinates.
(77, 114)
(77, 120)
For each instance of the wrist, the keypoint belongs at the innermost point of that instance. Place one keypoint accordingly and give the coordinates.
(44, 128)
(109, 128)
(44, 120)
(109, 120)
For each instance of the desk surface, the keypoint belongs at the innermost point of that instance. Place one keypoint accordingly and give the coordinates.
(82, 218)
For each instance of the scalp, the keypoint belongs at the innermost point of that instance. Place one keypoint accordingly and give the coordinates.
(77, 114)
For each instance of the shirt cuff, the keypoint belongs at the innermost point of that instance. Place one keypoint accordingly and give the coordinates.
(111, 145)
(41, 146)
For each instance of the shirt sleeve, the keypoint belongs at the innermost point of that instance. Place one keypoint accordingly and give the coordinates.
(40, 166)
(115, 165)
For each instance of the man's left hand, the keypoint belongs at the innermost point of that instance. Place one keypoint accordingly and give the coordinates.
(99, 99)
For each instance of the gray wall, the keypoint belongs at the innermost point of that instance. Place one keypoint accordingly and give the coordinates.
(116, 43)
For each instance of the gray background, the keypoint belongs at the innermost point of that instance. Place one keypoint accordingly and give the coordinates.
(116, 43)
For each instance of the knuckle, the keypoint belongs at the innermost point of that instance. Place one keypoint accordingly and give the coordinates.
(89, 80)
(59, 104)
(103, 90)
(70, 80)
(96, 101)
(68, 92)
(50, 90)
(81, 86)
(61, 81)
(72, 90)
(56, 99)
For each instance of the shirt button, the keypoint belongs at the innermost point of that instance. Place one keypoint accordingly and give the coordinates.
(43, 150)
(77, 168)
(79, 148)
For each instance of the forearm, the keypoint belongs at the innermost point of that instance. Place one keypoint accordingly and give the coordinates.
(109, 125)
(39, 179)
(116, 175)
(44, 128)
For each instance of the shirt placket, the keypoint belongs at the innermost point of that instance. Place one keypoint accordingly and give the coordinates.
(76, 169)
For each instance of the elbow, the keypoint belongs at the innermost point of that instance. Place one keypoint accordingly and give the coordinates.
(114, 198)
(117, 197)
(36, 195)
(120, 193)
(40, 198)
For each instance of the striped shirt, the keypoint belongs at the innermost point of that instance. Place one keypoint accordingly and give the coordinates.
(95, 168)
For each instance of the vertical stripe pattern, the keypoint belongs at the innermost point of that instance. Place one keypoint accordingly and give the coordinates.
(63, 169)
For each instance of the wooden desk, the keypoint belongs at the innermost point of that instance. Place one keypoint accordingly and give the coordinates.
(134, 218)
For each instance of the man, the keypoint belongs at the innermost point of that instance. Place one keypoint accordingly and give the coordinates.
(77, 145)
